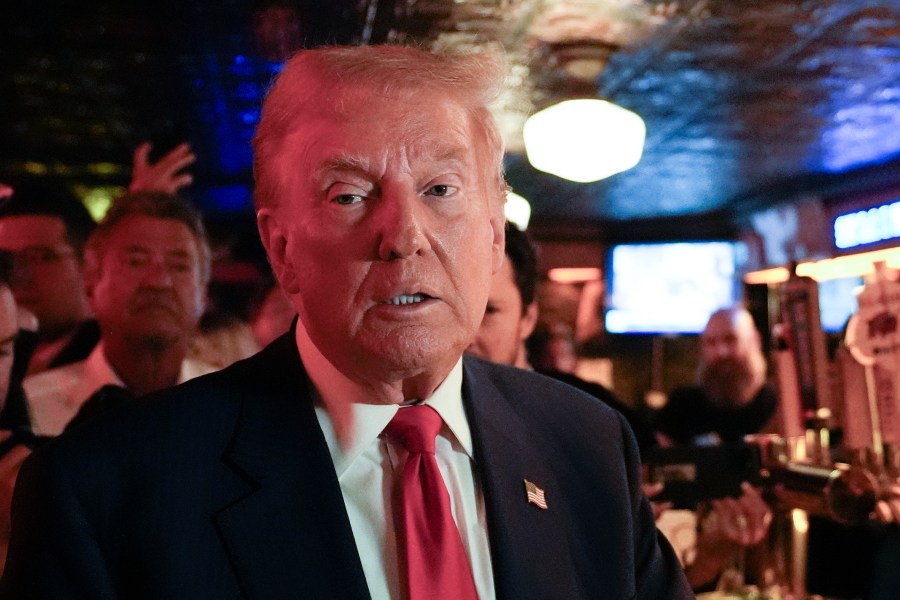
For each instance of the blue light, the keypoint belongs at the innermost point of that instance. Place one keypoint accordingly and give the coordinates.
(249, 117)
(867, 226)
(228, 198)
(248, 91)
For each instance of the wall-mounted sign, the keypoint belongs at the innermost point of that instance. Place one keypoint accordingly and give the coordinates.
(867, 226)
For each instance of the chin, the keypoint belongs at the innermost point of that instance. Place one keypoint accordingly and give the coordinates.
(157, 340)
(415, 352)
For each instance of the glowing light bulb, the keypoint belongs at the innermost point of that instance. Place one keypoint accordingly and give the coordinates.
(584, 140)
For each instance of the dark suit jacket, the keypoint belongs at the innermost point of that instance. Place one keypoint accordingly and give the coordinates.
(224, 488)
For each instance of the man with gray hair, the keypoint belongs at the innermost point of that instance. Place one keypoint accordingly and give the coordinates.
(146, 267)
(359, 455)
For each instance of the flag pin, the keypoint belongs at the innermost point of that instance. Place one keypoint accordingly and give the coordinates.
(535, 495)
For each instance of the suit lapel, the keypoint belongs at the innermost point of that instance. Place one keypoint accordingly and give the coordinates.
(289, 535)
(529, 545)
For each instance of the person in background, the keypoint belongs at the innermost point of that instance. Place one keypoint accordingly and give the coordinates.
(222, 339)
(45, 229)
(146, 269)
(510, 318)
(359, 455)
(15, 443)
(733, 397)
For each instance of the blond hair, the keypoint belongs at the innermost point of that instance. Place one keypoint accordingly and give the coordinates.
(474, 80)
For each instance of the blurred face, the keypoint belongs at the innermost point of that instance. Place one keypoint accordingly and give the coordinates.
(386, 238)
(504, 328)
(47, 277)
(146, 286)
(727, 336)
(733, 365)
(8, 331)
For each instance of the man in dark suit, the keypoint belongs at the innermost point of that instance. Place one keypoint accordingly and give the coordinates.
(379, 197)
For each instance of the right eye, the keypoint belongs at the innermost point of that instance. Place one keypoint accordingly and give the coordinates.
(347, 199)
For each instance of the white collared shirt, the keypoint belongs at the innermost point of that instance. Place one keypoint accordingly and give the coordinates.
(55, 396)
(368, 465)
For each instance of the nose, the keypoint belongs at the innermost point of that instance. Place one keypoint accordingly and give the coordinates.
(722, 349)
(157, 274)
(402, 222)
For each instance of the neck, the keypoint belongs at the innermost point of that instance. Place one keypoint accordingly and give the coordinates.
(372, 386)
(339, 391)
(145, 366)
(522, 359)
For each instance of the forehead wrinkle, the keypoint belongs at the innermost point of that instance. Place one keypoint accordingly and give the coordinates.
(417, 142)
(354, 164)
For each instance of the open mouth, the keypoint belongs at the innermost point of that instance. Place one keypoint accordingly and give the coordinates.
(404, 299)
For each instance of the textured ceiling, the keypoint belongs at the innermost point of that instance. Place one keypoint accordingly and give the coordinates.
(747, 103)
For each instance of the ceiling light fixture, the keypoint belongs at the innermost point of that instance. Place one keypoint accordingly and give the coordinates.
(517, 210)
(584, 140)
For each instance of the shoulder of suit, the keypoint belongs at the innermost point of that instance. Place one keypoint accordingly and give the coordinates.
(526, 386)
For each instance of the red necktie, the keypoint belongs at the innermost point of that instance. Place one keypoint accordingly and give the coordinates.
(436, 562)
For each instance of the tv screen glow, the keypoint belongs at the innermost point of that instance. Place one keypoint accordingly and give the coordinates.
(837, 301)
(668, 288)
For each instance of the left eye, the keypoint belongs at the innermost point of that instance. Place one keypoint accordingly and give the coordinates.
(440, 190)
(346, 199)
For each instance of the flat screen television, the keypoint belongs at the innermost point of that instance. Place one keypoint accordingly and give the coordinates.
(668, 287)
(837, 301)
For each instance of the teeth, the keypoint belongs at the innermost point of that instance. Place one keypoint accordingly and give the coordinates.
(407, 299)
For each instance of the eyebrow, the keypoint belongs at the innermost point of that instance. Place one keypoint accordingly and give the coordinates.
(454, 154)
(343, 163)
(451, 154)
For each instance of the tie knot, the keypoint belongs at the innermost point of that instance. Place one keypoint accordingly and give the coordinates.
(415, 427)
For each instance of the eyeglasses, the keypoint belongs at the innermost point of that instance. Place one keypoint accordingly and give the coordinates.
(40, 256)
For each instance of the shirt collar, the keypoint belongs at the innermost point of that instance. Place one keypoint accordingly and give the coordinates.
(97, 371)
(366, 421)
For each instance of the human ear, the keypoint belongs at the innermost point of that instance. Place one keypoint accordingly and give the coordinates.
(275, 242)
(528, 321)
(498, 245)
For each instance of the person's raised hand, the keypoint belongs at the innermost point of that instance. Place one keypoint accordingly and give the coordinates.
(164, 175)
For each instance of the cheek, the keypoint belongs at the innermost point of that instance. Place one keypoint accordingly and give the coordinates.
(112, 297)
(192, 297)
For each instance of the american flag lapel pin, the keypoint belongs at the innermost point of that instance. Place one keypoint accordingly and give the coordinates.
(535, 495)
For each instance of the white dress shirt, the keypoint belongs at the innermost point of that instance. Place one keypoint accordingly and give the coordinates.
(55, 396)
(368, 467)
